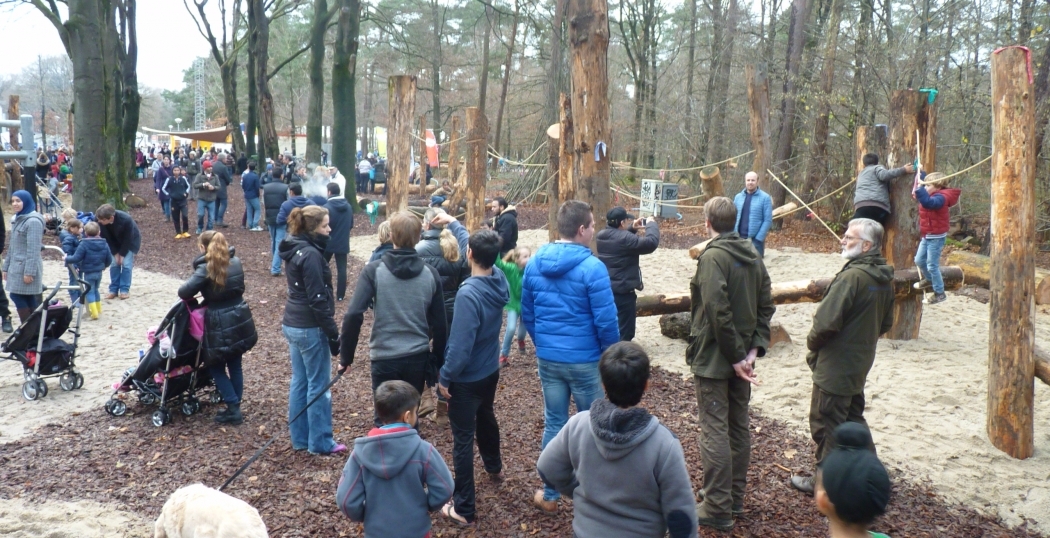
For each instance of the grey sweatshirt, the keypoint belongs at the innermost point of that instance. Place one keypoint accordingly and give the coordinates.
(625, 473)
(873, 186)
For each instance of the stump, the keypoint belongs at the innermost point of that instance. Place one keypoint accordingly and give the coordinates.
(711, 182)
(134, 201)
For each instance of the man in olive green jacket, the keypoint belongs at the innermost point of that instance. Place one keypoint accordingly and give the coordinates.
(732, 304)
(857, 308)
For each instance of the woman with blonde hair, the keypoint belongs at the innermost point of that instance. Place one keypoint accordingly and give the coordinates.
(229, 330)
(309, 327)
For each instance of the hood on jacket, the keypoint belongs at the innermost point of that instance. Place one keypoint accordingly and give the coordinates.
(299, 201)
(510, 209)
(386, 455)
(338, 204)
(951, 196)
(292, 244)
(404, 263)
(556, 259)
(873, 264)
(492, 290)
(618, 431)
(741, 249)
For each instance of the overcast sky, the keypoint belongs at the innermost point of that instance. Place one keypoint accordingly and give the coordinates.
(168, 41)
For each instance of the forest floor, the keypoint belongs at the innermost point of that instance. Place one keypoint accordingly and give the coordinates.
(84, 473)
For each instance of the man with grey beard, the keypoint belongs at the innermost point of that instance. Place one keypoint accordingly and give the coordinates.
(857, 308)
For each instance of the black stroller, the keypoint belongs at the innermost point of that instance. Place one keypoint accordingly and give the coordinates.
(169, 373)
(37, 343)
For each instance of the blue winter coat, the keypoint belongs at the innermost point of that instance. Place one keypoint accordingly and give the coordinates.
(760, 217)
(567, 304)
(92, 255)
(69, 242)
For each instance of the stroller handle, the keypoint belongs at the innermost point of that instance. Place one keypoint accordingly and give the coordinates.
(71, 267)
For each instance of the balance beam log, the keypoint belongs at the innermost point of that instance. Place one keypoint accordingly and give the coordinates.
(799, 291)
(978, 270)
(1042, 366)
(788, 207)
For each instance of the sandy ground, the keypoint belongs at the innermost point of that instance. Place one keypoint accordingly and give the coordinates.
(106, 348)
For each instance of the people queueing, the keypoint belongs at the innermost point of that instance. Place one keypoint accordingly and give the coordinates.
(295, 200)
(624, 471)
(872, 198)
(178, 188)
(856, 309)
(159, 178)
(206, 185)
(505, 223)
(409, 331)
(91, 258)
(222, 170)
(852, 487)
(732, 305)
(250, 185)
(470, 375)
(23, 268)
(620, 244)
(513, 267)
(275, 194)
(568, 309)
(122, 234)
(754, 213)
(338, 247)
(935, 202)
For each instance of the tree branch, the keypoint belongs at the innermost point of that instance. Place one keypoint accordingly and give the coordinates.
(51, 12)
(287, 61)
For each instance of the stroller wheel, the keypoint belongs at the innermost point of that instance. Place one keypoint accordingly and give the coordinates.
(27, 374)
(29, 390)
(215, 398)
(41, 388)
(187, 408)
(116, 407)
(79, 380)
(67, 381)
(161, 417)
(147, 398)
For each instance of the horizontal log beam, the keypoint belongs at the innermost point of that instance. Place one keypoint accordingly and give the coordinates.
(1042, 366)
(799, 291)
(978, 270)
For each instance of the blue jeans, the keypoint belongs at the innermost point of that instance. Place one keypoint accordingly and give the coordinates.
(928, 259)
(220, 209)
(74, 295)
(205, 209)
(311, 372)
(230, 386)
(436, 201)
(513, 326)
(94, 281)
(559, 381)
(166, 206)
(120, 275)
(276, 235)
(254, 211)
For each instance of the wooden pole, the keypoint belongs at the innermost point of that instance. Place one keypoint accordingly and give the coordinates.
(17, 181)
(910, 111)
(566, 155)
(589, 42)
(758, 112)
(1011, 334)
(422, 176)
(402, 89)
(553, 169)
(477, 155)
(453, 150)
(869, 139)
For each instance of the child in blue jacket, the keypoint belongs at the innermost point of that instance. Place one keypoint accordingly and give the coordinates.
(70, 238)
(92, 257)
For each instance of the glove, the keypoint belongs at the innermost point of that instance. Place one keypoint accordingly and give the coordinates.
(333, 346)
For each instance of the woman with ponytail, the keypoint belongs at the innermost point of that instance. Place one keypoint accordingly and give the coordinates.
(229, 330)
(309, 327)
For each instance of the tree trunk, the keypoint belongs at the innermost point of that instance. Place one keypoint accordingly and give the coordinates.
(563, 184)
(800, 10)
(910, 114)
(17, 181)
(131, 101)
(869, 139)
(267, 128)
(758, 108)
(818, 160)
(720, 88)
(711, 180)
(483, 86)
(252, 124)
(506, 76)
(453, 151)
(477, 156)
(344, 100)
(553, 168)
(690, 72)
(228, 76)
(315, 109)
(555, 83)
(399, 139)
(589, 36)
(1011, 334)
(438, 14)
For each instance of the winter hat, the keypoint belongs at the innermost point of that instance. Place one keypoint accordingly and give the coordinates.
(207, 165)
(853, 477)
(617, 215)
(27, 202)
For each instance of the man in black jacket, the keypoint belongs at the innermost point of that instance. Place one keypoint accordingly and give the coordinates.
(619, 245)
(341, 220)
(505, 224)
(275, 192)
(221, 169)
(122, 234)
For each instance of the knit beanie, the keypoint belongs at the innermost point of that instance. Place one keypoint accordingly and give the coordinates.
(853, 477)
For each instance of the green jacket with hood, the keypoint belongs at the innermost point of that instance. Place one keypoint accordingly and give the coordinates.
(732, 303)
(855, 311)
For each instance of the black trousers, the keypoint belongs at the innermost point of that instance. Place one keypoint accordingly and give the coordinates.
(5, 306)
(340, 272)
(626, 314)
(471, 415)
(876, 214)
(410, 369)
(178, 215)
(829, 411)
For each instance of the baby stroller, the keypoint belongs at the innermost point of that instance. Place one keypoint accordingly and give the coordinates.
(170, 373)
(49, 205)
(37, 343)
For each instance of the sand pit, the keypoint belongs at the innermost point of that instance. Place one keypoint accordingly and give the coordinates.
(82, 519)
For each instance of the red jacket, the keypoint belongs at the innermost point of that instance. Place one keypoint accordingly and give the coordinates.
(934, 208)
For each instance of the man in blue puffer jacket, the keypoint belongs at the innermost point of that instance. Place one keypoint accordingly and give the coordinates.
(754, 213)
(567, 306)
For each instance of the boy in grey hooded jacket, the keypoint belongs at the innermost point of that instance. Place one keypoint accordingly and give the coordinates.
(618, 443)
(872, 199)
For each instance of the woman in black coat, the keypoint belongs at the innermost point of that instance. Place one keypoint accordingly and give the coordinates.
(229, 330)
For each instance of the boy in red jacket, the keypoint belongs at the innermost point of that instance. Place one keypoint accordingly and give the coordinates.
(935, 201)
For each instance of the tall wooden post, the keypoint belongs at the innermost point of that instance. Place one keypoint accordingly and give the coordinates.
(477, 154)
(758, 108)
(553, 169)
(422, 176)
(402, 89)
(1011, 337)
(453, 151)
(589, 40)
(910, 112)
(869, 139)
(17, 182)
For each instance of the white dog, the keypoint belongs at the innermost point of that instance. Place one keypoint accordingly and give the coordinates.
(197, 511)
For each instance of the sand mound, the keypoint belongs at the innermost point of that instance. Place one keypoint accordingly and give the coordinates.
(82, 519)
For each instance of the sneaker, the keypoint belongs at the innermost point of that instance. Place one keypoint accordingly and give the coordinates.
(549, 507)
(197, 232)
(123, 296)
(276, 274)
(257, 229)
(936, 298)
(178, 236)
(504, 361)
(738, 508)
(922, 284)
(803, 484)
(185, 235)
(724, 525)
(111, 296)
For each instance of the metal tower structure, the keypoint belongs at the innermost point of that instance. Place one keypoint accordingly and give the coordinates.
(198, 94)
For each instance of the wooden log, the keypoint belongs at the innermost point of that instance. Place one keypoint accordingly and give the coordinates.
(419, 210)
(696, 250)
(1011, 332)
(565, 180)
(911, 114)
(711, 182)
(412, 189)
(592, 133)
(453, 151)
(678, 326)
(17, 182)
(786, 208)
(758, 114)
(477, 157)
(402, 91)
(1042, 366)
(977, 270)
(553, 169)
(800, 291)
(869, 139)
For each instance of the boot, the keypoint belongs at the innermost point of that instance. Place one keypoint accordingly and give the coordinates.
(427, 403)
(441, 417)
(94, 309)
(231, 416)
(7, 325)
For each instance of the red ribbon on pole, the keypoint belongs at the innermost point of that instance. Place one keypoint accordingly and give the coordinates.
(1027, 57)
